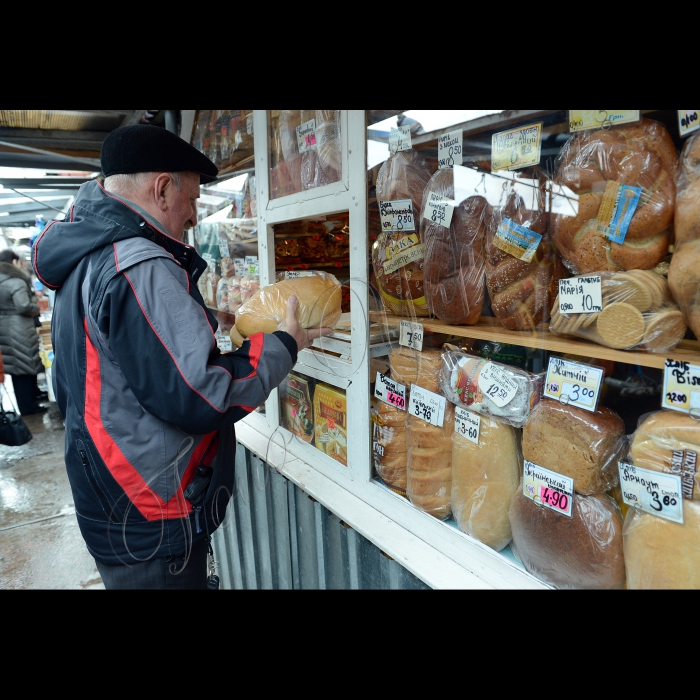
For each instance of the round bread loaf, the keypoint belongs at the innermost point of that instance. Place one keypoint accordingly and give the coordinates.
(660, 554)
(581, 552)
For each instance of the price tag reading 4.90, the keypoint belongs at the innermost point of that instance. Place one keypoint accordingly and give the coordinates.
(548, 488)
(411, 335)
(390, 392)
(427, 406)
(580, 295)
(653, 492)
(467, 424)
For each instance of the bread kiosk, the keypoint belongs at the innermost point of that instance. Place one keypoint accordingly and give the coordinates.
(511, 396)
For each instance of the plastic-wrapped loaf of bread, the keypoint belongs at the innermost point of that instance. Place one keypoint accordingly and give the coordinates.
(638, 313)
(489, 388)
(319, 295)
(596, 171)
(398, 256)
(411, 367)
(660, 554)
(584, 552)
(312, 175)
(329, 144)
(572, 442)
(484, 479)
(454, 269)
(684, 274)
(522, 290)
(289, 121)
(669, 442)
(389, 446)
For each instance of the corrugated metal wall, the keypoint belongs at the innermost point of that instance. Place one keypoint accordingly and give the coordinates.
(277, 537)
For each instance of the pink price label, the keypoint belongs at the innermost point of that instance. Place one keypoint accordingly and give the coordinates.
(310, 140)
(396, 400)
(559, 501)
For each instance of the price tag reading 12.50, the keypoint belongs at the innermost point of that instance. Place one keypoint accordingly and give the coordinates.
(549, 489)
(390, 392)
(497, 383)
(411, 335)
(427, 406)
(581, 295)
(574, 384)
(682, 388)
(653, 492)
(467, 424)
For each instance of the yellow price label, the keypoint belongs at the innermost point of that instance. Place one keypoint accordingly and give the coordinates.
(688, 121)
(584, 119)
(517, 148)
(681, 387)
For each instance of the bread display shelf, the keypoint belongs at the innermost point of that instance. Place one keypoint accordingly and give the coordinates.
(489, 329)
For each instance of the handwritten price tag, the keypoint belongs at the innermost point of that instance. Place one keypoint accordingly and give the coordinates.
(252, 266)
(223, 341)
(223, 249)
(497, 383)
(450, 149)
(439, 210)
(390, 392)
(574, 384)
(397, 216)
(585, 119)
(400, 139)
(688, 121)
(682, 387)
(548, 488)
(306, 136)
(295, 275)
(653, 492)
(239, 267)
(581, 295)
(467, 424)
(411, 335)
(516, 148)
(427, 406)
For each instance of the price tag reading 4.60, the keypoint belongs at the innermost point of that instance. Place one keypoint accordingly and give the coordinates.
(411, 335)
(427, 406)
(390, 392)
(497, 383)
(653, 492)
(580, 295)
(682, 387)
(574, 384)
(467, 424)
(548, 488)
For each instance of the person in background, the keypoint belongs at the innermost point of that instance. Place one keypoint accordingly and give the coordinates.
(19, 341)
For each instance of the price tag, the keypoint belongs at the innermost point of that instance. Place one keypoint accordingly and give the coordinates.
(252, 266)
(249, 125)
(548, 488)
(427, 406)
(517, 148)
(439, 210)
(397, 216)
(517, 240)
(688, 121)
(450, 149)
(682, 387)
(411, 335)
(497, 383)
(653, 492)
(585, 119)
(400, 139)
(306, 136)
(295, 275)
(390, 392)
(581, 295)
(223, 341)
(467, 424)
(617, 210)
(574, 384)
(223, 248)
(239, 267)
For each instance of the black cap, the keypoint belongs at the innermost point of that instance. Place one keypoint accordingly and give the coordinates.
(145, 148)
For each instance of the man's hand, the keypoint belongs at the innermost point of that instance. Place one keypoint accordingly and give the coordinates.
(303, 336)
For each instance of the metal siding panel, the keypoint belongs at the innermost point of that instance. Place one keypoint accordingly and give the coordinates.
(246, 520)
(234, 548)
(293, 535)
(306, 538)
(283, 549)
(262, 530)
(218, 543)
(335, 543)
(320, 553)
(353, 560)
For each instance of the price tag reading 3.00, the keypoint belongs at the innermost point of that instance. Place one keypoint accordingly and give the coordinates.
(467, 424)
(581, 295)
(653, 492)
(411, 335)
(427, 406)
(497, 383)
(390, 392)
(574, 384)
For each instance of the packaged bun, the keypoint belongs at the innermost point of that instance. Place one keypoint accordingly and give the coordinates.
(389, 446)
(403, 176)
(411, 367)
(669, 442)
(592, 166)
(582, 552)
(484, 479)
(319, 296)
(638, 313)
(289, 120)
(454, 268)
(328, 143)
(575, 443)
(460, 383)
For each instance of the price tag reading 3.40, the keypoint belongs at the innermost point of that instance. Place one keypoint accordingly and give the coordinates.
(427, 406)
(682, 388)
(390, 392)
(411, 335)
(467, 424)
(653, 492)
(497, 384)
(581, 295)
(549, 489)
(400, 139)
(574, 384)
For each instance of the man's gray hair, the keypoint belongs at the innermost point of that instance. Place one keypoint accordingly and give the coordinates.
(127, 184)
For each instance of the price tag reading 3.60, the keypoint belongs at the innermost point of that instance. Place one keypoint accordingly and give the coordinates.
(653, 492)
(467, 424)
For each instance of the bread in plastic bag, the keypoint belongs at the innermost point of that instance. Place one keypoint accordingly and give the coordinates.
(522, 292)
(583, 446)
(411, 367)
(403, 176)
(640, 155)
(484, 479)
(289, 121)
(389, 446)
(660, 554)
(669, 442)
(584, 552)
(319, 296)
(454, 268)
(459, 382)
(329, 144)
(638, 313)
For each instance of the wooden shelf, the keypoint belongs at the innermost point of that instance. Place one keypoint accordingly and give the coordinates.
(489, 329)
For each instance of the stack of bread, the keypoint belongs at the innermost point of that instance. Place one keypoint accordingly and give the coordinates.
(638, 312)
(389, 446)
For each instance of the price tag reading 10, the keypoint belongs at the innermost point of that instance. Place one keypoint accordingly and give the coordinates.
(427, 406)
(467, 424)
(580, 295)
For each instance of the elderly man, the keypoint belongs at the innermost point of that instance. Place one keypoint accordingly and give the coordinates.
(148, 400)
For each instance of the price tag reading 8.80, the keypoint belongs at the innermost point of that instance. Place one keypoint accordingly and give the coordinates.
(427, 406)
(467, 424)
(411, 335)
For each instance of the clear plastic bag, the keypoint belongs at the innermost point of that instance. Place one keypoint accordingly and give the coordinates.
(583, 446)
(329, 144)
(638, 313)
(411, 367)
(389, 446)
(584, 552)
(484, 479)
(642, 156)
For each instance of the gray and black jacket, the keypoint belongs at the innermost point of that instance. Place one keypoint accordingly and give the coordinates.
(148, 399)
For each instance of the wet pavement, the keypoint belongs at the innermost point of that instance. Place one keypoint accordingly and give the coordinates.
(40, 543)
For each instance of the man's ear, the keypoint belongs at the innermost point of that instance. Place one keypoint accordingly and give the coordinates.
(161, 190)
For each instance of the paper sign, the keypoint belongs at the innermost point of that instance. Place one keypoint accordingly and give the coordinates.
(223, 341)
(517, 148)
(584, 119)
(295, 275)
(252, 266)
(239, 267)
(427, 406)
(682, 387)
(411, 335)
(439, 210)
(688, 121)
(581, 295)
(397, 216)
(548, 488)
(616, 210)
(495, 382)
(249, 125)
(223, 248)
(390, 392)
(574, 384)
(467, 424)
(450, 149)
(516, 240)
(306, 136)
(400, 139)
(653, 492)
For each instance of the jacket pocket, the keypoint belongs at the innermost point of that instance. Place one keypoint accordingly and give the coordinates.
(94, 481)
